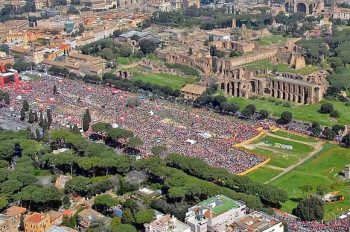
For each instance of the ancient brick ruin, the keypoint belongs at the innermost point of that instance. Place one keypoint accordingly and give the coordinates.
(236, 80)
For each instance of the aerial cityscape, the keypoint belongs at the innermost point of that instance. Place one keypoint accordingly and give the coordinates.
(174, 115)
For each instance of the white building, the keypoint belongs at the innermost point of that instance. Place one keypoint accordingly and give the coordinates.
(257, 222)
(341, 13)
(219, 36)
(214, 214)
(165, 7)
(347, 171)
(101, 4)
(167, 223)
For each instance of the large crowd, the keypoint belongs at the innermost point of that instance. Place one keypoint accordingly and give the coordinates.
(341, 224)
(192, 132)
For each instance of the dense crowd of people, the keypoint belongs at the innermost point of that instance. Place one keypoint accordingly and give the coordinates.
(341, 224)
(181, 129)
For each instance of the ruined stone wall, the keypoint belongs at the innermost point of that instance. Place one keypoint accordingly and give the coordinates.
(288, 87)
(235, 80)
(256, 56)
(204, 64)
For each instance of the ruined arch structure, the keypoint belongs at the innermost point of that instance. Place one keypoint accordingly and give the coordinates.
(309, 7)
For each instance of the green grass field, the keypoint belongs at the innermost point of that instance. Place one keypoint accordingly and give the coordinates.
(164, 79)
(266, 64)
(263, 174)
(279, 157)
(270, 40)
(127, 60)
(342, 27)
(298, 148)
(301, 138)
(307, 113)
(322, 169)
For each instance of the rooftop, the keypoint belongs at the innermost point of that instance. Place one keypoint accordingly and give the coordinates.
(219, 204)
(54, 215)
(166, 222)
(192, 88)
(35, 218)
(255, 221)
(15, 210)
(91, 215)
(131, 33)
(60, 229)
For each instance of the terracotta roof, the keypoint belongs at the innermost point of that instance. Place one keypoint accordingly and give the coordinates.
(15, 210)
(68, 213)
(18, 49)
(34, 218)
(82, 56)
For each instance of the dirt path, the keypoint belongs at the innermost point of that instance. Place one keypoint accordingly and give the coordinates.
(317, 148)
(274, 167)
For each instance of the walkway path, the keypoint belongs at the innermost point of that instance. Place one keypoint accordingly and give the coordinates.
(317, 148)
(274, 167)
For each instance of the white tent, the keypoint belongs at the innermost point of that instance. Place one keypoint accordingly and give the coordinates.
(205, 135)
(115, 125)
(191, 141)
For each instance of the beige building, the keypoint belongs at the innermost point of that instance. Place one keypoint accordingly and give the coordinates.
(341, 13)
(257, 222)
(214, 214)
(102, 4)
(6, 59)
(167, 223)
(40, 4)
(8, 224)
(190, 3)
(56, 217)
(88, 217)
(37, 222)
(81, 64)
(128, 3)
(17, 38)
(10, 220)
(184, 4)
(192, 91)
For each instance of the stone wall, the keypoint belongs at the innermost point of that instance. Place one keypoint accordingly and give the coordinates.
(289, 87)
(236, 80)
(202, 63)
